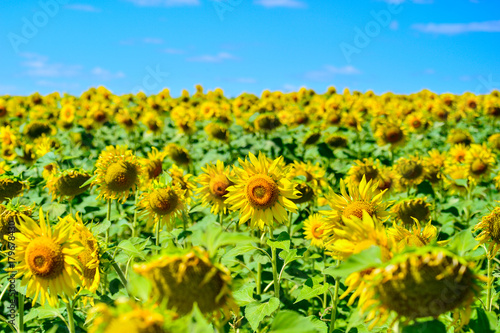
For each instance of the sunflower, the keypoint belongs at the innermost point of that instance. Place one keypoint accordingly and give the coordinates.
(424, 283)
(9, 219)
(433, 165)
(47, 259)
(313, 229)
(180, 280)
(415, 237)
(68, 183)
(10, 187)
(214, 183)
(4, 167)
(178, 154)
(360, 198)
(410, 171)
(183, 181)
(262, 193)
(118, 172)
(390, 133)
(266, 123)
(311, 138)
(162, 203)
(36, 129)
(89, 258)
(127, 317)
(494, 141)
(456, 154)
(217, 132)
(153, 164)
(454, 173)
(490, 231)
(457, 136)
(409, 209)
(366, 168)
(336, 141)
(479, 161)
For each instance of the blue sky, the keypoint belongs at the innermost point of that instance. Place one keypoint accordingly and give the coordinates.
(249, 45)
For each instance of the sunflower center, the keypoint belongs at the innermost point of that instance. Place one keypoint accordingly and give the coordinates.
(412, 170)
(356, 208)
(393, 135)
(163, 201)
(154, 169)
(416, 123)
(306, 193)
(262, 191)
(45, 258)
(316, 232)
(219, 185)
(478, 167)
(121, 176)
(70, 185)
(494, 226)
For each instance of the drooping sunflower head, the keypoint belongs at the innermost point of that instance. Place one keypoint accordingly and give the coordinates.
(390, 133)
(336, 141)
(366, 197)
(457, 136)
(178, 281)
(262, 192)
(489, 228)
(311, 138)
(162, 203)
(313, 229)
(178, 154)
(118, 172)
(10, 187)
(214, 183)
(153, 164)
(266, 122)
(47, 259)
(366, 168)
(412, 236)
(217, 132)
(36, 129)
(410, 171)
(424, 283)
(128, 317)
(68, 183)
(479, 161)
(409, 209)
(494, 141)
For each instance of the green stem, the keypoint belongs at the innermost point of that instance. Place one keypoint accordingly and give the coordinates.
(134, 223)
(258, 278)
(324, 277)
(275, 268)
(488, 288)
(290, 224)
(122, 277)
(157, 236)
(335, 300)
(71, 321)
(108, 217)
(20, 300)
(221, 217)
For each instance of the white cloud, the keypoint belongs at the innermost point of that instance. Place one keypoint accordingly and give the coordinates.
(104, 74)
(39, 66)
(458, 28)
(173, 51)
(83, 8)
(394, 25)
(221, 56)
(329, 71)
(152, 40)
(281, 3)
(164, 3)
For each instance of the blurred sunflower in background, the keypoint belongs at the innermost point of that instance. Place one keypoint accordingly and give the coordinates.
(313, 229)
(410, 172)
(180, 280)
(214, 182)
(11, 186)
(118, 172)
(489, 228)
(162, 203)
(153, 164)
(68, 183)
(262, 193)
(479, 161)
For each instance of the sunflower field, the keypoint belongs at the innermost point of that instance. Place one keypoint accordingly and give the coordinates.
(289, 212)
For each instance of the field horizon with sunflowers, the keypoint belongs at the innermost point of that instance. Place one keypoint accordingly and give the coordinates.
(287, 212)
